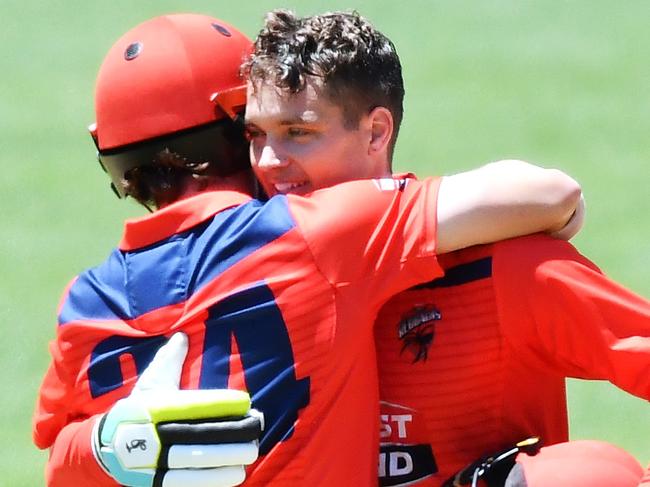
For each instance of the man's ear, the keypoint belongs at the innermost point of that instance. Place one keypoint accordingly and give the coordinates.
(381, 130)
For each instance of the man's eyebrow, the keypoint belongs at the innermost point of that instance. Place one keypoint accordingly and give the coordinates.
(294, 121)
(307, 116)
(287, 121)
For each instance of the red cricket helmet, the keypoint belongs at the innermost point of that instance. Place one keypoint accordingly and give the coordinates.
(162, 83)
(580, 463)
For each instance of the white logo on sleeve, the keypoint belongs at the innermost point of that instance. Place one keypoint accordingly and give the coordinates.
(390, 184)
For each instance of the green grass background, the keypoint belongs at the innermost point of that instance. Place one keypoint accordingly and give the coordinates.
(561, 83)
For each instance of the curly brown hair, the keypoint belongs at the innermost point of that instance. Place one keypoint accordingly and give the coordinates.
(357, 65)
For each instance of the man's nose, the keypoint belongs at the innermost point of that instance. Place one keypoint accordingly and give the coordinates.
(271, 158)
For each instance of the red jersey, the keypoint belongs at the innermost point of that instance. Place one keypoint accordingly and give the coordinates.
(501, 332)
(278, 298)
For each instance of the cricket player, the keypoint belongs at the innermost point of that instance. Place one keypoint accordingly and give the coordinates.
(215, 289)
(474, 362)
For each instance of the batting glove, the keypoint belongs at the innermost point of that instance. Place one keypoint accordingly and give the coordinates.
(161, 436)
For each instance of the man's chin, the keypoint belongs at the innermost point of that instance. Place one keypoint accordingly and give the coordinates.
(301, 190)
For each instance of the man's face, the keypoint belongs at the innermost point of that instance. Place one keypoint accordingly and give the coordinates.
(299, 142)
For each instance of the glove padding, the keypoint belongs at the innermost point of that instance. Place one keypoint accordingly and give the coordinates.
(163, 436)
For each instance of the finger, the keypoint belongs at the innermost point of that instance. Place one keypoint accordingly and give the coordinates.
(164, 371)
(212, 477)
(196, 404)
(208, 456)
(204, 432)
(259, 415)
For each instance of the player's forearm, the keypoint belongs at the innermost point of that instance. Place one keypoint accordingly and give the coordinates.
(501, 200)
(574, 224)
(71, 460)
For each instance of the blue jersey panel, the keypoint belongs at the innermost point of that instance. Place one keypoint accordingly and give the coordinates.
(129, 284)
(461, 274)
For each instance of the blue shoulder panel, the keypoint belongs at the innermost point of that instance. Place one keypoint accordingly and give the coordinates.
(129, 284)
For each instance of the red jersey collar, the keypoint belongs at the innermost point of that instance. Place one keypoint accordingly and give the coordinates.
(178, 217)
(404, 175)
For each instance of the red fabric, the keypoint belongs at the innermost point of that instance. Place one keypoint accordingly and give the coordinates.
(645, 481)
(178, 217)
(72, 463)
(328, 275)
(503, 346)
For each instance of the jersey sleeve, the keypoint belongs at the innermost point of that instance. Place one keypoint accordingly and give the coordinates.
(71, 460)
(561, 311)
(381, 231)
(50, 415)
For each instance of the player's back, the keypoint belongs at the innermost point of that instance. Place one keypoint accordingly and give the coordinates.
(265, 308)
(494, 341)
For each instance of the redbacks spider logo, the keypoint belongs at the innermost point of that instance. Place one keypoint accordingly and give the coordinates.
(416, 330)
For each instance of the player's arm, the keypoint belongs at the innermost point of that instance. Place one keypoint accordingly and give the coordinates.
(71, 461)
(504, 199)
(573, 318)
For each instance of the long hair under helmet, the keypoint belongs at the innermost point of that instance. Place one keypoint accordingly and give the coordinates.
(169, 83)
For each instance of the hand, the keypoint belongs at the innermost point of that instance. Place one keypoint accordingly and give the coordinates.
(163, 436)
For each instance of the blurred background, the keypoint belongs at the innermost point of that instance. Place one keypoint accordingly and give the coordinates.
(564, 84)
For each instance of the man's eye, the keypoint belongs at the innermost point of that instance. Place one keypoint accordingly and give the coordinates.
(251, 134)
(297, 132)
